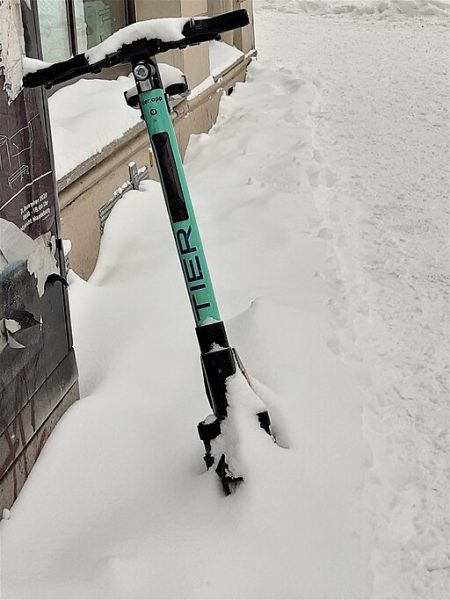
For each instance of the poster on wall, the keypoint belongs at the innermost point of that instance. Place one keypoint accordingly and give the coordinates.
(27, 204)
(35, 333)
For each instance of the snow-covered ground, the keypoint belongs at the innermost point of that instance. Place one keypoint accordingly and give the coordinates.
(321, 196)
(381, 176)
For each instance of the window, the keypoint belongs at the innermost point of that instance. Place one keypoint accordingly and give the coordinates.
(54, 31)
(69, 27)
(96, 20)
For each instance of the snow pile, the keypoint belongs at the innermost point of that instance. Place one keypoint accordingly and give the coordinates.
(75, 108)
(222, 56)
(90, 114)
(242, 441)
(119, 504)
(87, 116)
(372, 8)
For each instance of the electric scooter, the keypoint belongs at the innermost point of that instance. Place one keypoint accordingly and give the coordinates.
(139, 44)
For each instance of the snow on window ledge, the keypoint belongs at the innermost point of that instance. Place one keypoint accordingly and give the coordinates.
(89, 116)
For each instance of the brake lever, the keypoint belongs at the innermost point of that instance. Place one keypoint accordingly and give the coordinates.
(194, 40)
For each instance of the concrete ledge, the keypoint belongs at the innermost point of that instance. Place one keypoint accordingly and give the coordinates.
(93, 170)
(83, 191)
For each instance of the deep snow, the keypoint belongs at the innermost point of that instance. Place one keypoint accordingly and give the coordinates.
(149, 521)
(298, 190)
(381, 183)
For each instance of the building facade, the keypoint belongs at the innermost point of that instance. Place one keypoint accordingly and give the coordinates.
(71, 26)
(38, 372)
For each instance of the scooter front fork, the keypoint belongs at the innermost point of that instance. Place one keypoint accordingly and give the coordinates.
(219, 362)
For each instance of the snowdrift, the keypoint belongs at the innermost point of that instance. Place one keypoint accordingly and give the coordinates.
(373, 8)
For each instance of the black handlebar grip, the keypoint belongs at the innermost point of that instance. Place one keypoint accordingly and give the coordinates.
(195, 30)
(61, 71)
(216, 25)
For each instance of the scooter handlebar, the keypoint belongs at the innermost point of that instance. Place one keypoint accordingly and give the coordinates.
(194, 31)
(58, 72)
(216, 25)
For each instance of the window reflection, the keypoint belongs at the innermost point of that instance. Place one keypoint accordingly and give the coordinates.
(54, 28)
(96, 20)
(92, 20)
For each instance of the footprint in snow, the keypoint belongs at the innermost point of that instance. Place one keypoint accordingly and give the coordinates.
(319, 176)
(325, 234)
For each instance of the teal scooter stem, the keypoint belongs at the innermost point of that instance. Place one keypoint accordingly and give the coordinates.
(217, 357)
(156, 115)
(219, 361)
(209, 326)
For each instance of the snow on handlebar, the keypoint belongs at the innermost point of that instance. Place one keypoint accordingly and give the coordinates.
(136, 41)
